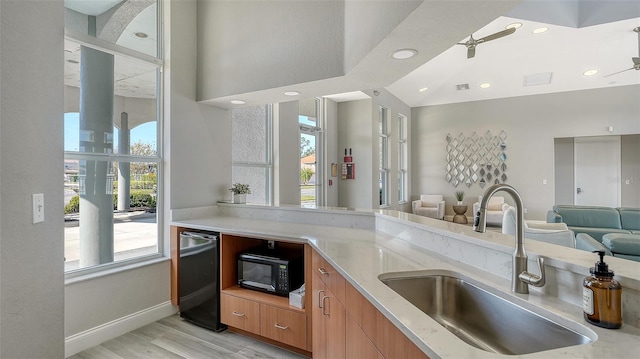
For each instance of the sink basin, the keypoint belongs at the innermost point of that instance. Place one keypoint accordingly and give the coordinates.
(481, 318)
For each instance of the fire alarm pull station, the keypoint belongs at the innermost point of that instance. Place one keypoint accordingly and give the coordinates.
(348, 167)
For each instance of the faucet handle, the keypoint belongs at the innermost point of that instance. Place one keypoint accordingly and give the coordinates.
(534, 280)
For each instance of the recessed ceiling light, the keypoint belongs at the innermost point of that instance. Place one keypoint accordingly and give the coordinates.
(292, 93)
(238, 102)
(423, 89)
(590, 72)
(515, 25)
(485, 85)
(540, 30)
(141, 35)
(404, 54)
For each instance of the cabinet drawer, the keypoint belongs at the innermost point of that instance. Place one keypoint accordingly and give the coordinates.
(240, 313)
(334, 281)
(284, 326)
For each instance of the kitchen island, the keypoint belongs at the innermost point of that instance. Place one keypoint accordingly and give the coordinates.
(361, 245)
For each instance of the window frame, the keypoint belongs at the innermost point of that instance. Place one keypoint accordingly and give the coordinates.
(403, 148)
(268, 164)
(78, 274)
(383, 135)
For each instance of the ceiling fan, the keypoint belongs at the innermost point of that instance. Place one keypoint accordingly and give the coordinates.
(636, 60)
(472, 43)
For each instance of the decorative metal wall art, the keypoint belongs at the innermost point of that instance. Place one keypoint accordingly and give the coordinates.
(480, 159)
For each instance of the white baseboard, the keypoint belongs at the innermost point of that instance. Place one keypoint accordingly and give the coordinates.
(102, 333)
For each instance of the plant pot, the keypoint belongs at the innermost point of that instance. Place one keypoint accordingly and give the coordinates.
(240, 198)
(459, 203)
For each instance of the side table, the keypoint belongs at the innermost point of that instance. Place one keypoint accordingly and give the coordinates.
(460, 217)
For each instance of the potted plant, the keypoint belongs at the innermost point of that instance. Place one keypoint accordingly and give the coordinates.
(459, 197)
(240, 191)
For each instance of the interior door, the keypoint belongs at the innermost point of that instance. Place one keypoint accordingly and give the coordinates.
(597, 171)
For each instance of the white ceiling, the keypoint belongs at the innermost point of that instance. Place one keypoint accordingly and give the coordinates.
(564, 52)
(583, 34)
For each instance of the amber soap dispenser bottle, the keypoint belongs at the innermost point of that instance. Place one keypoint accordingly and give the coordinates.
(602, 296)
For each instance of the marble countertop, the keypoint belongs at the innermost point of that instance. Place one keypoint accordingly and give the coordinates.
(362, 254)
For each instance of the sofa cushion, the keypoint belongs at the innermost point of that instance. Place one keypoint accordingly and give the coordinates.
(628, 244)
(589, 216)
(597, 233)
(630, 218)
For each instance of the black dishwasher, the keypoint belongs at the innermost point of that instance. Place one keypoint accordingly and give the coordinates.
(200, 279)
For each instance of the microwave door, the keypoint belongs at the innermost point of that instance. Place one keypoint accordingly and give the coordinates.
(266, 287)
(258, 275)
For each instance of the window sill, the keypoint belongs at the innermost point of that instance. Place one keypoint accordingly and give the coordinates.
(97, 272)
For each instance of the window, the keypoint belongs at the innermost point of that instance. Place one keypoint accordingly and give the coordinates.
(251, 155)
(309, 119)
(402, 159)
(383, 142)
(112, 152)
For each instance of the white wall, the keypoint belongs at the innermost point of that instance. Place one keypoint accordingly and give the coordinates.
(286, 145)
(267, 44)
(355, 131)
(332, 151)
(197, 173)
(531, 123)
(31, 143)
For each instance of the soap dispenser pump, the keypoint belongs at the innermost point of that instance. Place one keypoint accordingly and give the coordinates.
(602, 296)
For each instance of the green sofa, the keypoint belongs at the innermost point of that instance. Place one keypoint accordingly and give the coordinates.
(607, 225)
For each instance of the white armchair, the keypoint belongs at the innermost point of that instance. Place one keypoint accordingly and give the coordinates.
(429, 205)
(555, 233)
(495, 210)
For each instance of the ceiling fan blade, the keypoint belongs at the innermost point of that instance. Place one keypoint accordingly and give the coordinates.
(497, 35)
(615, 73)
(471, 52)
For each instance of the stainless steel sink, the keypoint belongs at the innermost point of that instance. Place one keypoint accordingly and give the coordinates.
(481, 318)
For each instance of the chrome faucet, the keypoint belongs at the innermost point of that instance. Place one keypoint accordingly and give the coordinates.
(520, 278)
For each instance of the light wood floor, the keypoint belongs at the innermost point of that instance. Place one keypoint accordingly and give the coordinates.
(175, 338)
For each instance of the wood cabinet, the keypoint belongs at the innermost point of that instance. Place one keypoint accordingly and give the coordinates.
(267, 316)
(360, 329)
(329, 317)
(337, 321)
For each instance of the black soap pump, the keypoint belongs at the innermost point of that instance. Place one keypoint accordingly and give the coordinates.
(602, 296)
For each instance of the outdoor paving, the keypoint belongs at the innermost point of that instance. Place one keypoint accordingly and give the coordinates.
(135, 233)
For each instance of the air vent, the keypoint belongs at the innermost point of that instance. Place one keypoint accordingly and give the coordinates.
(538, 79)
(462, 87)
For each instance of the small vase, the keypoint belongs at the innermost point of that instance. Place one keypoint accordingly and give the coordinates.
(240, 198)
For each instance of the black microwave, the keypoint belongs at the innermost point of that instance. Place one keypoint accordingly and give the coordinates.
(271, 271)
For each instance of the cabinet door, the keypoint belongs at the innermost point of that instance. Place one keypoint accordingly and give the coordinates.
(283, 325)
(240, 313)
(357, 343)
(319, 325)
(335, 315)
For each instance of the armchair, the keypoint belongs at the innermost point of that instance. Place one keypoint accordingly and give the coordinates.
(429, 205)
(495, 210)
(555, 233)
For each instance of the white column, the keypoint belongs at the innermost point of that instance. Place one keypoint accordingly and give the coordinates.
(96, 136)
(124, 168)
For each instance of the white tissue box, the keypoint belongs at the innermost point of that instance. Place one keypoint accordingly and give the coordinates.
(296, 298)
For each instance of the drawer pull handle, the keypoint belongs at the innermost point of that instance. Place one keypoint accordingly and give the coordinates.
(281, 327)
(237, 314)
(323, 271)
(324, 306)
(320, 299)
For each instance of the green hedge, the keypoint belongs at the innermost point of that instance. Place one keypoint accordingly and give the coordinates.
(137, 200)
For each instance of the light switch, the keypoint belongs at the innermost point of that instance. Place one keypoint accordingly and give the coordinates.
(38, 208)
(544, 181)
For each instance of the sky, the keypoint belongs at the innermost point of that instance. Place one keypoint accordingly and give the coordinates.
(145, 133)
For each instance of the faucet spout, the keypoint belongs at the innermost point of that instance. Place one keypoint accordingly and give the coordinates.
(520, 278)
